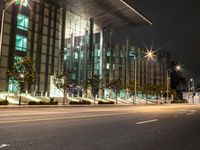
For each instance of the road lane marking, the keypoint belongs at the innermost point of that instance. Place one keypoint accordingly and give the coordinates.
(62, 118)
(192, 110)
(147, 121)
(4, 145)
(192, 113)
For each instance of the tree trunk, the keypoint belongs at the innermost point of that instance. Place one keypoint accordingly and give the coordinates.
(64, 97)
(20, 98)
(116, 98)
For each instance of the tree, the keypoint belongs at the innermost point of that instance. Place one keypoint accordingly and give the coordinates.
(146, 88)
(94, 83)
(131, 87)
(116, 85)
(63, 81)
(22, 73)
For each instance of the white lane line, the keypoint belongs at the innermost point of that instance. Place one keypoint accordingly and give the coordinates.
(62, 118)
(148, 121)
(4, 145)
(192, 113)
(192, 110)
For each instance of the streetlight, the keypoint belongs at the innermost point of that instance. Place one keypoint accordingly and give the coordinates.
(192, 80)
(149, 55)
(191, 88)
(177, 68)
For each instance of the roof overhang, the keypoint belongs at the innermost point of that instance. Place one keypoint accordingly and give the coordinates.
(106, 13)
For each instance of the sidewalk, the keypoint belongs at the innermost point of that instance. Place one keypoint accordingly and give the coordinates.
(92, 105)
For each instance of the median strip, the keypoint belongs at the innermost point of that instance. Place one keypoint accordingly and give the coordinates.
(62, 118)
(148, 121)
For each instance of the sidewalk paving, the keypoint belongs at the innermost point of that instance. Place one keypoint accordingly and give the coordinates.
(92, 105)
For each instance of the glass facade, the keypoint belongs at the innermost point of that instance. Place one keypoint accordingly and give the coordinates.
(21, 43)
(22, 22)
(13, 86)
(76, 52)
(22, 2)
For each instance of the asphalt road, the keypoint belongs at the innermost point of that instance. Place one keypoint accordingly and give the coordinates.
(173, 127)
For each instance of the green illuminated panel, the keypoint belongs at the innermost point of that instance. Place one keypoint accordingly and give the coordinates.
(21, 43)
(22, 22)
(13, 86)
(22, 2)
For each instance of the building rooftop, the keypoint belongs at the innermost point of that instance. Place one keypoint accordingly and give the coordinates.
(106, 13)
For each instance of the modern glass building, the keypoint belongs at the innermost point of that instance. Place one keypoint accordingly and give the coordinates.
(73, 35)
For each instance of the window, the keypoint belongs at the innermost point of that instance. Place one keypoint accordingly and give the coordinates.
(113, 66)
(22, 2)
(107, 66)
(13, 86)
(21, 43)
(76, 55)
(22, 22)
(108, 53)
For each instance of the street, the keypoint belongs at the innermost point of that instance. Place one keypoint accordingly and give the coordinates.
(161, 127)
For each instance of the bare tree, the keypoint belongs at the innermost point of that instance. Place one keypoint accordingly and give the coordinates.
(63, 81)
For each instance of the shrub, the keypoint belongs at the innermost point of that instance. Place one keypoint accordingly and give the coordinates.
(179, 101)
(4, 102)
(43, 103)
(109, 102)
(80, 102)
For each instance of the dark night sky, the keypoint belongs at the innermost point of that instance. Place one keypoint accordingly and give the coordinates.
(176, 28)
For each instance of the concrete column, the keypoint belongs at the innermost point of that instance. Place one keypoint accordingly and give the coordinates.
(91, 49)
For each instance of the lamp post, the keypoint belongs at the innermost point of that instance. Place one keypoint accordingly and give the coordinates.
(149, 55)
(192, 88)
(177, 68)
(192, 80)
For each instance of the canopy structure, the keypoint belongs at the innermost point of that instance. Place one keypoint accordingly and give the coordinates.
(106, 13)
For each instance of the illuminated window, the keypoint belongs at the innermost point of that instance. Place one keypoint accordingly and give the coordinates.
(22, 2)
(107, 66)
(108, 53)
(81, 54)
(13, 86)
(21, 43)
(22, 22)
(76, 55)
(99, 53)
